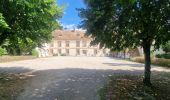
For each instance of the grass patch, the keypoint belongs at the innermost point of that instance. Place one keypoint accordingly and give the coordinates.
(11, 85)
(155, 61)
(15, 58)
(130, 87)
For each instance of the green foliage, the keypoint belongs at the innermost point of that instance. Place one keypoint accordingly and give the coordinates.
(166, 47)
(28, 20)
(34, 52)
(120, 24)
(166, 56)
(2, 51)
(23, 48)
(3, 24)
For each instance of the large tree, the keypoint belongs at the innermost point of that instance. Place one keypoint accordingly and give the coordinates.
(120, 24)
(25, 21)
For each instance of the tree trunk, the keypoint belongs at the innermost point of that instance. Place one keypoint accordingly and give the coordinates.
(147, 72)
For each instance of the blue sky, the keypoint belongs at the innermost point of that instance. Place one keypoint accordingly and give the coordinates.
(70, 18)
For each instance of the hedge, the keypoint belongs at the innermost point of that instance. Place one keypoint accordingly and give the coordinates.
(34, 52)
(166, 56)
(2, 51)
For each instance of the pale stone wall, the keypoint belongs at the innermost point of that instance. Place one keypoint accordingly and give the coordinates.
(72, 50)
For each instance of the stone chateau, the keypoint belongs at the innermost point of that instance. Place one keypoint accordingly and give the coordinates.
(71, 43)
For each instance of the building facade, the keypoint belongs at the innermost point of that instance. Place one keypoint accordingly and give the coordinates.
(74, 43)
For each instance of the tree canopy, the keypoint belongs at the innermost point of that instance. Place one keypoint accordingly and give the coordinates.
(120, 24)
(25, 21)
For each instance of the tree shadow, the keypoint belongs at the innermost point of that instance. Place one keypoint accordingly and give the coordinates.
(126, 64)
(66, 84)
(14, 70)
(69, 84)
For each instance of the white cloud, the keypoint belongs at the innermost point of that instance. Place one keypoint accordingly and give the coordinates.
(80, 29)
(71, 27)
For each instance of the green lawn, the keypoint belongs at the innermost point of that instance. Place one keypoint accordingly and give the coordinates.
(15, 58)
(130, 87)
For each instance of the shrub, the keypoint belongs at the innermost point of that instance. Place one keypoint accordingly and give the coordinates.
(2, 51)
(55, 54)
(158, 56)
(34, 52)
(166, 47)
(166, 56)
(63, 54)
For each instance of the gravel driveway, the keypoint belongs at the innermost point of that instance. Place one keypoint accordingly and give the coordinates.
(70, 78)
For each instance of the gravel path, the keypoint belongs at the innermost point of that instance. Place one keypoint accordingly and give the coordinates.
(70, 78)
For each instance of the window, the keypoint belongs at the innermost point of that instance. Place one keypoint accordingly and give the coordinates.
(52, 45)
(59, 51)
(77, 43)
(67, 51)
(67, 44)
(95, 52)
(59, 43)
(78, 51)
(84, 44)
(104, 51)
(84, 52)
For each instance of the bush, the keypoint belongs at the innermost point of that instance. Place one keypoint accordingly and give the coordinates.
(2, 51)
(63, 54)
(166, 56)
(55, 54)
(166, 47)
(158, 56)
(34, 52)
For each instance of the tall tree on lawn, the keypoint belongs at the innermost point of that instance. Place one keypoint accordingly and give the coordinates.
(120, 24)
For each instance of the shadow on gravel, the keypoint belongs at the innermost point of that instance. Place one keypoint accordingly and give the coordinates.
(68, 84)
(14, 70)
